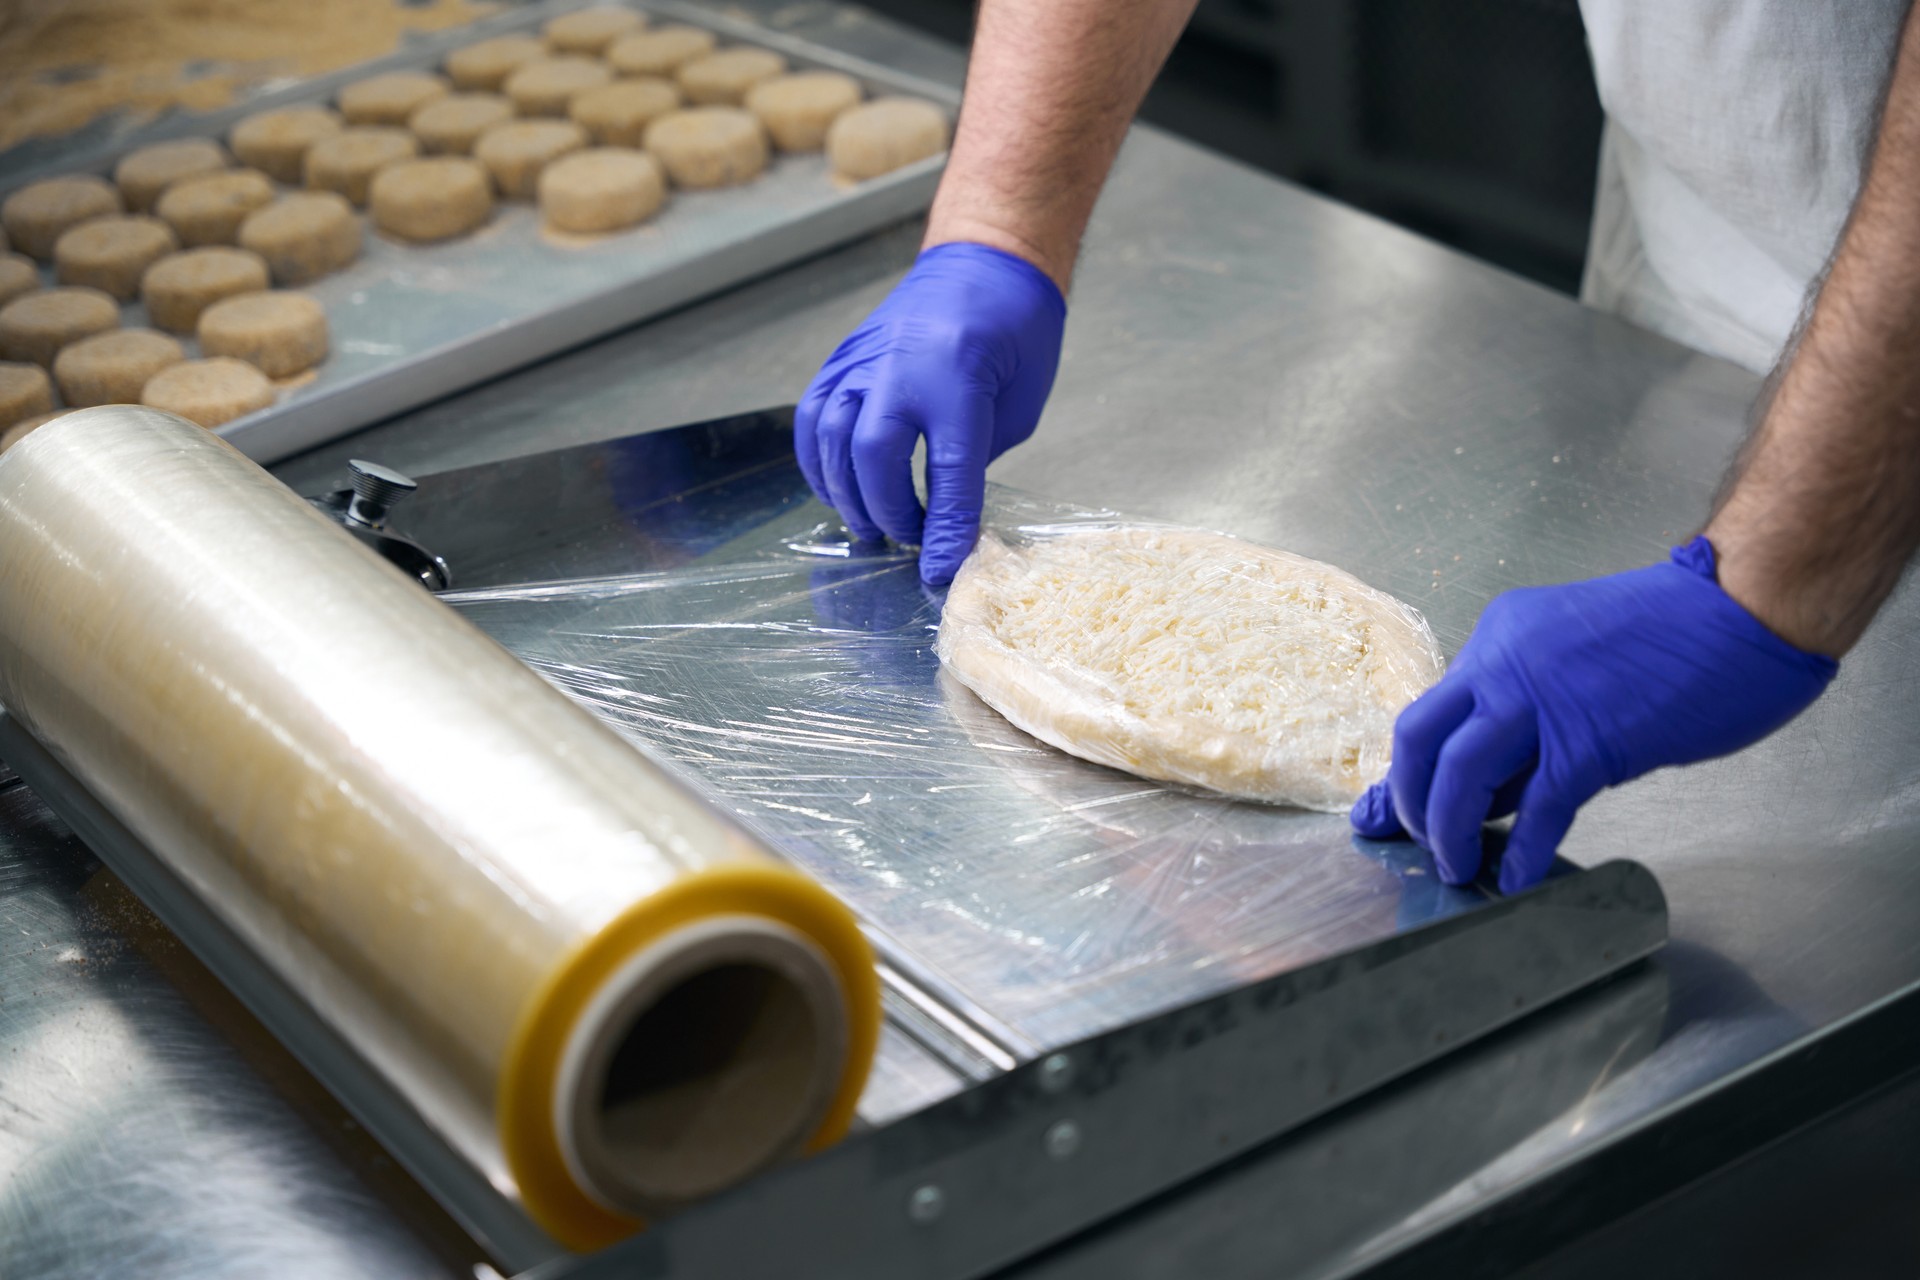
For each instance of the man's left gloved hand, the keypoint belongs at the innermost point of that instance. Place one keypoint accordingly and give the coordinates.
(1563, 691)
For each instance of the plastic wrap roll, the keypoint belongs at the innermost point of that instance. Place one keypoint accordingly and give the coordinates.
(607, 995)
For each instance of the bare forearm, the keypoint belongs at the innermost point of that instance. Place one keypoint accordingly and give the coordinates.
(1051, 88)
(1823, 509)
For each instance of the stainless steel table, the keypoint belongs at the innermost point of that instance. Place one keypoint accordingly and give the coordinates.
(1240, 354)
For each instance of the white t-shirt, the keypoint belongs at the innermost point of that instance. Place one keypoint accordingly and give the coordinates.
(1736, 135)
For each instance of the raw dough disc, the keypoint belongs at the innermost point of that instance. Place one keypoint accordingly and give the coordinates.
(209, 392)
(20, 430)
(605, 189)
(276, 142)
(659, 52)
(210, 208)
(280, 334)
(391, 97)
(449, 126)
(1190, 657)
(617, 114)
(486, 64)
(180, 286)
(35, 326)
(37, 214)
(18, 275)
(709, 146)
(544, 88)
(723, 78)
(25, 392)
(516, 153)
(347, 161)
(303, 236)
(591, 30)
(797, 108)
(111, 368)
(143, 174)
(432, 199)
(111, 254)
(884, 135)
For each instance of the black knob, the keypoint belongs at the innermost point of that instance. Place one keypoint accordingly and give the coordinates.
(376, 490)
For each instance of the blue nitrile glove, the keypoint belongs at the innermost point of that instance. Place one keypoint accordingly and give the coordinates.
(962, 351)
(1562, 691)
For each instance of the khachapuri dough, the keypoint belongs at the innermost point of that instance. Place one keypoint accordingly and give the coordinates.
(1190, 657)
(34, 326)
(277, 332)
(604, 189)
(347, 161)
(303, 236)
(113, 367)
(617, 114)
(485, 65)
(661, 51)
(797, 109)
(709, 146)
(432, 199)
(450, 126)
(391, 97)
(723, 78)
(515, 153)
(209, 392)
(276, 142)
(143, 174)
(546, 87)
(25, 392)
(884, 135)
(210, 208)
(180, 286)
(591, 30)
(38, 214)
(112, 253)
(18, 275)
(20, 430)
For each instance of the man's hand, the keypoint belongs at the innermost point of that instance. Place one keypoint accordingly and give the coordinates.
(962, 352)
(1563, 691)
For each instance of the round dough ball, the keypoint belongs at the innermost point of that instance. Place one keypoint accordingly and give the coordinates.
(659, 52)
(38, 214)
(451, 125)
(25, 392)
(591, 30)
(35, 326)
(209, 209)
(20, 430)
(884, 135)
(796, 109)
(145, 173)
(708, 146)
(617, 114)
(432, 199)
(111, 254)
(486, 64)
(544, 88)
(303, 236)
(723, 78)
(180, 286)
(347, 161)
(280, 334)
(209, 392)
(516, 153)
(276, 142)
(18, 275)
(391, 97)
(606, 189)
(111, 368)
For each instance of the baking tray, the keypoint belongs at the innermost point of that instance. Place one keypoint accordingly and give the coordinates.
(414, 323)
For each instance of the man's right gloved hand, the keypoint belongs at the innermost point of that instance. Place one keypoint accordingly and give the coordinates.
(963, 352)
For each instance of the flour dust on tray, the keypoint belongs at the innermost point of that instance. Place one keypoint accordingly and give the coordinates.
(1190, 657)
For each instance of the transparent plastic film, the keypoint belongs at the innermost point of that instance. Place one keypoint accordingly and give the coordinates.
(609, 997)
